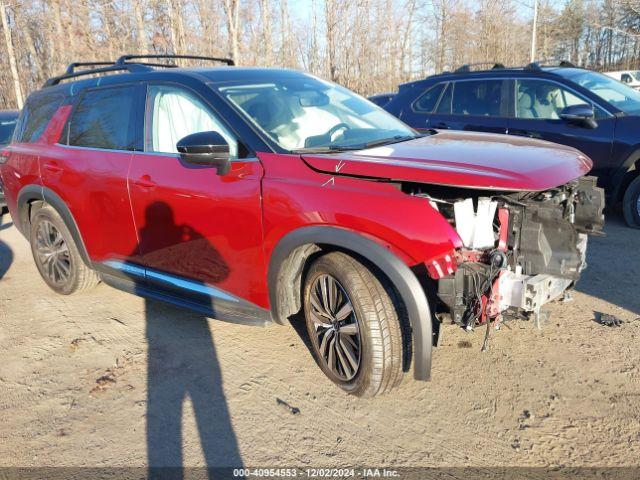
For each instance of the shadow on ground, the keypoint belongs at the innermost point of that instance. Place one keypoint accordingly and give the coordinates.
(613, 270)
(6, 254)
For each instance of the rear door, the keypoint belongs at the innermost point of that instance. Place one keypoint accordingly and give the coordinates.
(479, 105)
(538, 103)
(199, 232)
(88, 169)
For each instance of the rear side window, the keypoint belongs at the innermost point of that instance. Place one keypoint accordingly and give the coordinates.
(36, 115)
(480, 98)
(444, 106)
(428, 100)
(103, 119)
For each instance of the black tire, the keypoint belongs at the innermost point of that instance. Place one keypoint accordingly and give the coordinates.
(56, 254)
(377, 314)
(631, 204)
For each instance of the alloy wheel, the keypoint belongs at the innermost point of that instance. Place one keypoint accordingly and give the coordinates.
(53, 253)
(337, 333)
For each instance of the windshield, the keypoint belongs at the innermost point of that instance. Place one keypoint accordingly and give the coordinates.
(308, 113)
(6, 130)
(612, 91)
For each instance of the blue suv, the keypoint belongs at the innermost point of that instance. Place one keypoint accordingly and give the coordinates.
(564, 104)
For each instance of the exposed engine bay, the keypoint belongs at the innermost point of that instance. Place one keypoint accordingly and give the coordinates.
(521, 249)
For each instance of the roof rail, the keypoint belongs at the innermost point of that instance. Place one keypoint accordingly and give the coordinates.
(72, 66)
(131, 67)
(122, 64)
(123, 60)
(466, 68)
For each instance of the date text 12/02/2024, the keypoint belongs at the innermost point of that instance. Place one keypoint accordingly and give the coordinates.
(316, 472)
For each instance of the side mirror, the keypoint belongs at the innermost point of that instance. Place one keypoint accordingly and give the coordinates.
(205, 148)
(579, 114)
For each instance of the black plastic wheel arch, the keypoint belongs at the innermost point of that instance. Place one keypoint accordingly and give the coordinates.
(398, 272)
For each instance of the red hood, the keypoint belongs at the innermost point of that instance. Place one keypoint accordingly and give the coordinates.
(463, 159)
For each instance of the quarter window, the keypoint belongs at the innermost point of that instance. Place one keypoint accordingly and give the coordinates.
(35, 117)
(428, 100)
(174, 113)
(545, 100)
(104, 119)
(478, 98)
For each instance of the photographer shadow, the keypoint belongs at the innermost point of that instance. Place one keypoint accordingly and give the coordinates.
(182, 364)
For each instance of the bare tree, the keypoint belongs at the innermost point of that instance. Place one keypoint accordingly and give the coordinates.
(11, 54)
(232, 11)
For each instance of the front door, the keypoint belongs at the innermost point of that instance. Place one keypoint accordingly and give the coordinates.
(198, 231)
(538, 103)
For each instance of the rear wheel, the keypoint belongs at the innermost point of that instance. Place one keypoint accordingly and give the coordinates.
(353, 319)
(57, 256)
(631, 204)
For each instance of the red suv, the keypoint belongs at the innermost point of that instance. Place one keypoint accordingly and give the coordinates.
(259, 195)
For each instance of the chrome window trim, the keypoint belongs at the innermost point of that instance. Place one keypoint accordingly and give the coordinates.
(137, 152)
(93, 149)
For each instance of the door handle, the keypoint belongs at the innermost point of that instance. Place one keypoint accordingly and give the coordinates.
(145, 182)
(52, 167)
(441, 126)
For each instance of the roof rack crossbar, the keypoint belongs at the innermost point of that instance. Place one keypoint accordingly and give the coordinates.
(123, 60)
(551, 62)
(467, 66)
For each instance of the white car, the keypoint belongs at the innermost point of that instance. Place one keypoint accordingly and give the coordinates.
(630, 77)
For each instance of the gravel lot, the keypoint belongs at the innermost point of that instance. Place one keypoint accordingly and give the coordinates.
(107, 379)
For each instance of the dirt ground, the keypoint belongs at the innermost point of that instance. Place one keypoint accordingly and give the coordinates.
(107, 379)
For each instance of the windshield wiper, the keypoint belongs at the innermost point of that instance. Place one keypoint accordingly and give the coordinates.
(327, 149)
(359, 146)
(389, 141)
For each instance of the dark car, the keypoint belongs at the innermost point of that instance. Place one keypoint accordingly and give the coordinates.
(8, 119)
(257, 195)
(381, 99)
(563, 104)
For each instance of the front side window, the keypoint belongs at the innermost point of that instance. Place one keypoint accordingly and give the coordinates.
(480, 98)
(173, 113)
(428, 100)
(104, 119)
(545, 100)
(611, 91)
(308, 113)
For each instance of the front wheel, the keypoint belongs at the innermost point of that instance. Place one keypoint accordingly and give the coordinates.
(631, 204)
(353, 318)
(57, 256)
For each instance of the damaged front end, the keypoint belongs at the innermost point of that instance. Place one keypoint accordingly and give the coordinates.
(521, 250)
